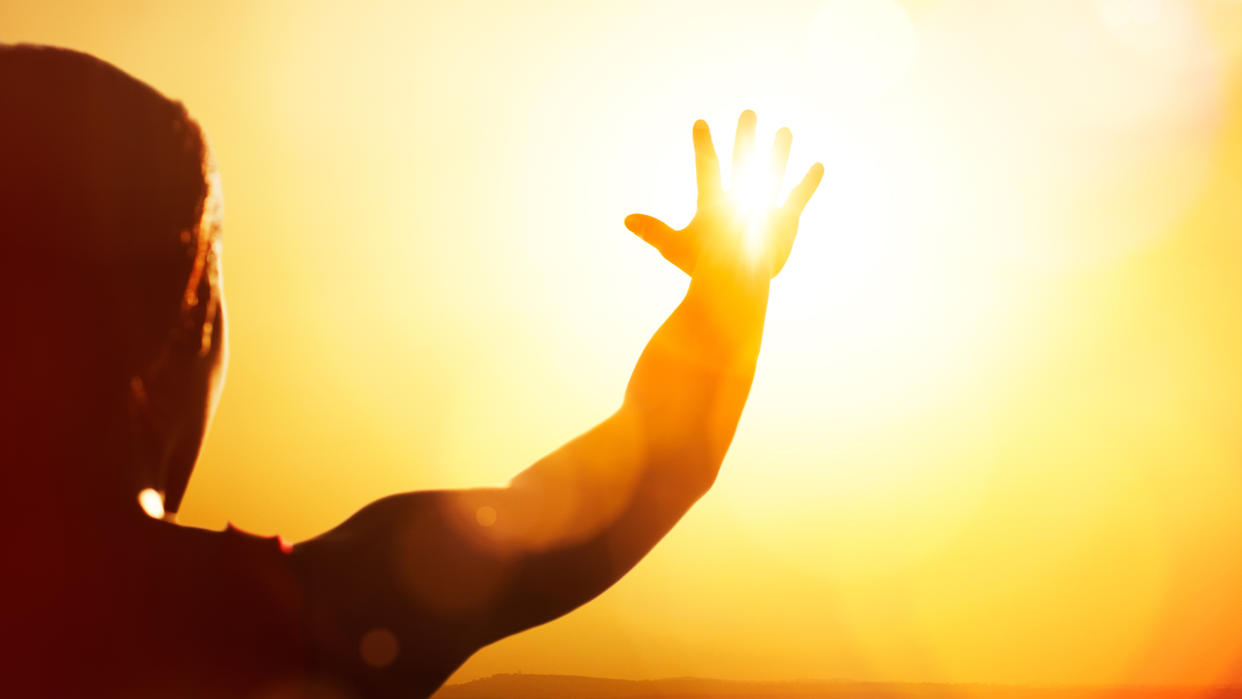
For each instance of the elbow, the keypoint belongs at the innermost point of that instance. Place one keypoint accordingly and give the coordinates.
(701, 483)
(682, 476)
(680, 452)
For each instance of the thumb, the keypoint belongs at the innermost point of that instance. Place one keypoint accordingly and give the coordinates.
(656, 232)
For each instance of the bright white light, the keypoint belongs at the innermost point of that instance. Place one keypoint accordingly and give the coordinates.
(152, 503)
(752, 195)
(1123, 13)
(861, 47)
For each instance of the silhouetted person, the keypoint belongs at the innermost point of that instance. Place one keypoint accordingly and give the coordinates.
(110, 361)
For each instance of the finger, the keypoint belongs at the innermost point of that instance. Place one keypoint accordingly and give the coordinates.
(801, 194)
(780, 159)
(743, 146)
(706, 164)
(656, 232)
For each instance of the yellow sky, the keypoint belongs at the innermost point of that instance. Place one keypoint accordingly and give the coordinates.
(995, 433)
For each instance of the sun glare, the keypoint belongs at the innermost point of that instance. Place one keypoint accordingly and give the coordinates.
(753, 193)
(1006, 317)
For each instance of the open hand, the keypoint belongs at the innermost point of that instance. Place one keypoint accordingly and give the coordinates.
(744, 221)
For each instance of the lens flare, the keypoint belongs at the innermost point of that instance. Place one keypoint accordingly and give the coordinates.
(750, 200)
(152, 502)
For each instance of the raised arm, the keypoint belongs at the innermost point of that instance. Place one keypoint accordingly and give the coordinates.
(447, 572)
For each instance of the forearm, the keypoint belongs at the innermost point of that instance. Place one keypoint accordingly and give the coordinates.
(690, 384)
(451, 571)
(680, 411)
(585, 514)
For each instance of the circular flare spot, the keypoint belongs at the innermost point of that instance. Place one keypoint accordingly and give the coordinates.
(485, 516)
(378, 647)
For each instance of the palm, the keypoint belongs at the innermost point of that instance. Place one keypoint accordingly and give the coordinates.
(723, 223)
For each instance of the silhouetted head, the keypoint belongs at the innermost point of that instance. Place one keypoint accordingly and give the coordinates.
(109, 283)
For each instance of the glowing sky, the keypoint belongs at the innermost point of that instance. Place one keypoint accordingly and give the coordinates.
(995, 433)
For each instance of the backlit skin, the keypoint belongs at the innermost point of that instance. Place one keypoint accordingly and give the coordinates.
(392, 600)
(467, 568)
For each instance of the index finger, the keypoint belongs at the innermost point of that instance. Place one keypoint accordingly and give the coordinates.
(706, 164)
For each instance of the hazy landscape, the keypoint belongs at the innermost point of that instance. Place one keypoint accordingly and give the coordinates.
(522, 686)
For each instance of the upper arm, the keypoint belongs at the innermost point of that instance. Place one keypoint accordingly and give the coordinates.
(408, 566)
(447, 572)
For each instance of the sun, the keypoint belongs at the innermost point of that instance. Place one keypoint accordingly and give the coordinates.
(752, 197)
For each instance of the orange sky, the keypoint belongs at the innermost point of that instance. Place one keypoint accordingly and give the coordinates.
(995, 433)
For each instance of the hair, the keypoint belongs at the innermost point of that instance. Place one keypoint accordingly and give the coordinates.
(109, 216)
(105, 194)
(103, 176)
